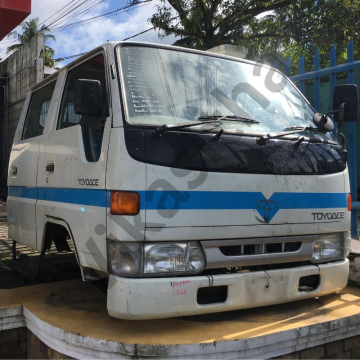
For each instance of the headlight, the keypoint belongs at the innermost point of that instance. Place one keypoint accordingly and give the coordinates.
(331, 247)
(173, 258)
(155, 259)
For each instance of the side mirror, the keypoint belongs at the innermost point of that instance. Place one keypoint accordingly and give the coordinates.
(88, 97)
(345, 103)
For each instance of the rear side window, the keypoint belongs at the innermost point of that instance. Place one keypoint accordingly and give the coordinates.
(37, 112)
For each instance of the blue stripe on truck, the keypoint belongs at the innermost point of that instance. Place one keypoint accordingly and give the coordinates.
(90, 197)
(23, 192)
(188, 200)
(195, 200)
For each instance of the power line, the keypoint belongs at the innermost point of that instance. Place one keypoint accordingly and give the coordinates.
(77, 7)
(70, 57)
(65, 14)
(77, 55)
(6, 52)
(12, 42)
(99, 17)
(9, 40)
(128, 38)
(2, 52)
(57, 13)
(81, 12)
(140, 33)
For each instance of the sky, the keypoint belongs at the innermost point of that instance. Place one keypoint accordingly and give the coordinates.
(86, 37)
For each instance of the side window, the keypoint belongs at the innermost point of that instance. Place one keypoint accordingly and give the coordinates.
(37, 112)
(92, 126)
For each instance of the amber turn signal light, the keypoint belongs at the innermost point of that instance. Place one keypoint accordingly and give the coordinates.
(349, 202)
(124, 203)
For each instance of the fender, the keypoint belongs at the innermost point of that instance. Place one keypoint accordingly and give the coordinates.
(87, 274)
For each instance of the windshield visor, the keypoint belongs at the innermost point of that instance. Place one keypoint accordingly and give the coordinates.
(172, 87)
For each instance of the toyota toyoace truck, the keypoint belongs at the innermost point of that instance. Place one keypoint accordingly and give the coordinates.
(197, 183)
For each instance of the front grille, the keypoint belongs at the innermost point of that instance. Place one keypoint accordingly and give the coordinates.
(229, 253)
(257, 249)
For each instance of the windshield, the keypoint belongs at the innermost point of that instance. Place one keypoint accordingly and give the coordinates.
(164, 86)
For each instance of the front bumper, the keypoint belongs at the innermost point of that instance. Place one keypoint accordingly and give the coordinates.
(154, 298)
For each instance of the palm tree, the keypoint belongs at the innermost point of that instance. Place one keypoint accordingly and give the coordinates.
(29, 30)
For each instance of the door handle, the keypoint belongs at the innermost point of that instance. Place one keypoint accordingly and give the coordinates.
(14, 171)
(50, 167)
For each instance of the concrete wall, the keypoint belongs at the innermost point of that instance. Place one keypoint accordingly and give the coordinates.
(21, 343)
(36, 349)
(342, 349)
(19, 72)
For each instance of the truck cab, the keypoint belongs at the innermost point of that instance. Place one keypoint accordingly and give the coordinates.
(195, 182)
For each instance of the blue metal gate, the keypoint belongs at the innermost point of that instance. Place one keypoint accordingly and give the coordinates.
(332, 72)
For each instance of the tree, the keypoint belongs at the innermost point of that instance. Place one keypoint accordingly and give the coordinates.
(304, 27)
(29, 30)
(270, 29)
(203, 24)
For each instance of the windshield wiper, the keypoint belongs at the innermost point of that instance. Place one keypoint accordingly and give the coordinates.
(206, 119)
(229, 118)
(163, 128)
(294, 130)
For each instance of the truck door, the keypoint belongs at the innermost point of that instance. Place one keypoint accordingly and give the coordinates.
(23, 166)
(72, 171)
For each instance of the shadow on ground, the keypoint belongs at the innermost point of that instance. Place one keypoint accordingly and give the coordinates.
(55, 267)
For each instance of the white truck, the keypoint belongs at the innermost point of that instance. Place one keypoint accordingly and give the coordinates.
(197, 183)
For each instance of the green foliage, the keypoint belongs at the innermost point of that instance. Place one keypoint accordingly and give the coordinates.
(203, 24)
(29, 30)
(49, 57)
(304, 27)
(270, 29)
